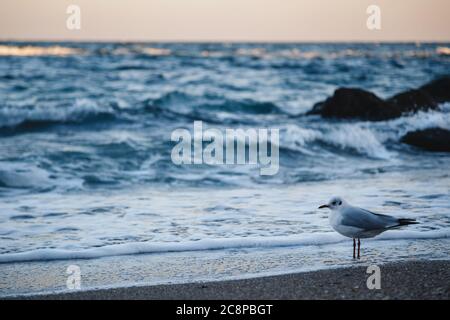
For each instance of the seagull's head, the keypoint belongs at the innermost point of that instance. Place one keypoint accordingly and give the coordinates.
(334, 204)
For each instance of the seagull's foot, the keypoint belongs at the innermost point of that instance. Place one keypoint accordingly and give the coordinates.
(354, 249)
(359, 248)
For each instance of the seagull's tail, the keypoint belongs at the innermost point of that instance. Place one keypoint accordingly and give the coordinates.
(404, 222)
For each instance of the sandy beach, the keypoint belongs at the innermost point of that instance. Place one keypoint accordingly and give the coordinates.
(403, 280)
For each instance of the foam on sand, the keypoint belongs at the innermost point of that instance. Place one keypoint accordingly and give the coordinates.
(131, 248)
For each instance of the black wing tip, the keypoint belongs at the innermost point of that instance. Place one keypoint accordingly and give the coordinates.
(404, 222)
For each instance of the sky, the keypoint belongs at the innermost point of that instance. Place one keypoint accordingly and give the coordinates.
(226, 20)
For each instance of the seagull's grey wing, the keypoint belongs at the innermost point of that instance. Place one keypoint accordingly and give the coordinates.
(364, 219)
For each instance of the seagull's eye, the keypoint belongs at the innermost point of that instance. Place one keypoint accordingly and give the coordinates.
(340, 202)
(333, 203)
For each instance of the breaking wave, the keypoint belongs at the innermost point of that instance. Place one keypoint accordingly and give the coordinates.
(182, 101)
(28, 51)
(38, 117)
(366, 138)
(311, 239)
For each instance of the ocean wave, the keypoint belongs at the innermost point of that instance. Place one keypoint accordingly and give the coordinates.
(444, 51)
(366, 138)
(157, 51)
(28, 51)
(219, 51)
(16, 175)
(301, 54)
(132, 248)
(418, 121)
(184, 102)
(353, 137)
(30, 118)
(243, 106)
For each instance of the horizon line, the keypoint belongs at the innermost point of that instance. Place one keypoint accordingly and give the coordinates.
(410, 41)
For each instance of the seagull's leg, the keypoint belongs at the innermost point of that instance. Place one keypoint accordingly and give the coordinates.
(359, 246)
(354, 248)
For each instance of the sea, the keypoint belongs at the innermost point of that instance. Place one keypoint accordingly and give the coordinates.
(87, 178)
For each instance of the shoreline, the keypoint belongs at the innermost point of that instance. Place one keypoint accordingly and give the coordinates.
(399, 280)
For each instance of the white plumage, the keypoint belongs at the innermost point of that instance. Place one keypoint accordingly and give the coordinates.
(357, 223)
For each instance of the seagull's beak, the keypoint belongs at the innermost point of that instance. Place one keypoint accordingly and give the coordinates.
(324, 206)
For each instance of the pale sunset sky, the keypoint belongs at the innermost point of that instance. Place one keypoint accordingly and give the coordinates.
(226, 20)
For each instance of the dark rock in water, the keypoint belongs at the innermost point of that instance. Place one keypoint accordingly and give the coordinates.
(413, 101)
(425, 98)
(349, 103)
(317, 108)
(434, 139)
(438, 89)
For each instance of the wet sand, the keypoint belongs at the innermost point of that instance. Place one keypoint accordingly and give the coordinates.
(403, 280)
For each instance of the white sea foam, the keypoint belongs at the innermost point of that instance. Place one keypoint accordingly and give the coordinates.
(301, 136)
(16, 175)
(322, 238)
(421, 120)
(12, 116)
(444, 51)
(344, 136)
(157, 51)
(365, 137)
(356, 137)
(27, 51)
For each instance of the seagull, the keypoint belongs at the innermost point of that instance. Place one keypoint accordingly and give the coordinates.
(359, 223)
